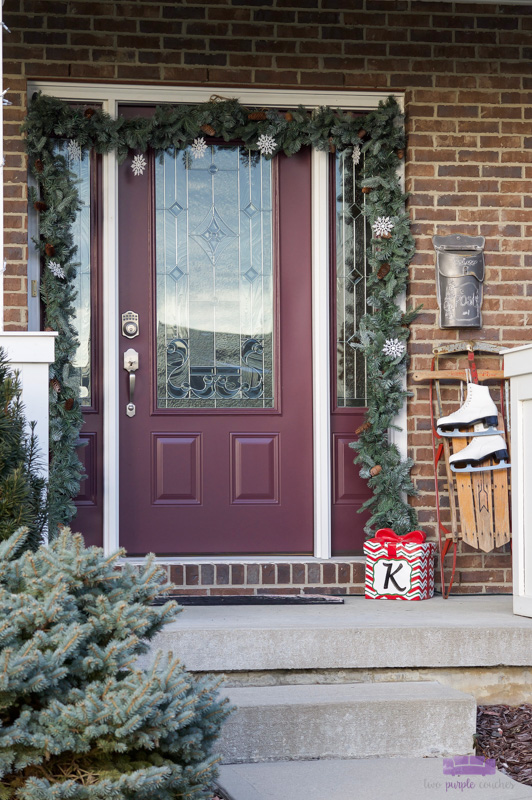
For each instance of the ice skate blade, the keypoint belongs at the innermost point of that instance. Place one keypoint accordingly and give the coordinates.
(490, 468)
(457, 434)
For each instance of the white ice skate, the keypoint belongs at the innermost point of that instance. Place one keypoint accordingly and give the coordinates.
(478, 407)
(477, 451)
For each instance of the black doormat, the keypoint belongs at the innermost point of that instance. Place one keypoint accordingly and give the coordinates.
(251, 600)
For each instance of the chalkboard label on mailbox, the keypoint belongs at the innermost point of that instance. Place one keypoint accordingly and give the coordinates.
(459, 277)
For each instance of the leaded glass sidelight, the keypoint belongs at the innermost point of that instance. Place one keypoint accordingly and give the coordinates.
(79, 163)
(214, 279)
(352, 239)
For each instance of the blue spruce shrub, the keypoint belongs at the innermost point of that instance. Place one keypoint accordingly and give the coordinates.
(78, 719)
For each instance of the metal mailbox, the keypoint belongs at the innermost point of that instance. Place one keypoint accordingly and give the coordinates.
(459, 279)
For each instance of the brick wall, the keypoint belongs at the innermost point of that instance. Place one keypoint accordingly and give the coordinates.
(465, 69)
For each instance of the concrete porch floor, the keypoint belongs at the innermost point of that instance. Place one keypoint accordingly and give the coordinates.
(386, 779)
(475, 644)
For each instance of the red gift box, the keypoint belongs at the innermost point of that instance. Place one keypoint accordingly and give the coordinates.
(399, 567)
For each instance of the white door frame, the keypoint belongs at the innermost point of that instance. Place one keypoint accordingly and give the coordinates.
(110, 96)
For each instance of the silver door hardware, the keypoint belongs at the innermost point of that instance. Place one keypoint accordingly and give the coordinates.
(130, 324)
(131, 364)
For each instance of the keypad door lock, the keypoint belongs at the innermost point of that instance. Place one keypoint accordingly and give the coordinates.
(130, 324)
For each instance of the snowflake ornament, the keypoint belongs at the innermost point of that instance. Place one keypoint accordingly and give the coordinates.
(356, 155)
(56, 269)
(393, 348)
(266, 144)
(198, 147)
(74, 150)
(138, 165)
(382, 226)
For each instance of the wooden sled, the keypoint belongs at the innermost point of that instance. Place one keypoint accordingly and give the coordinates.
(479, 501)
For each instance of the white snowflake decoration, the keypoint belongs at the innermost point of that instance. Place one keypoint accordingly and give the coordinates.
(266, 144)
(56, 269)
(198, 147)
(382, 226)
(393, 348)
(138, 165)
(356, 155)
(74, 150)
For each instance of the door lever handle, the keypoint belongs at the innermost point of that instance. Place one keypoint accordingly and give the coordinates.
(131, 365)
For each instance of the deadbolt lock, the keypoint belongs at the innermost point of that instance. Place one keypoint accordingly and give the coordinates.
(130, 324)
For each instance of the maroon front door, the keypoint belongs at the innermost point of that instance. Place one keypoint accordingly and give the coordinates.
(215, 258)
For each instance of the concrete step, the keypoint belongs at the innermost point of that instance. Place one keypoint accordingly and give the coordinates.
(361, 720)
(385, 779)
(362, 634)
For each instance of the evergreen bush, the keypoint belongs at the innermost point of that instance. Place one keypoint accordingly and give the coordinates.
(22, 488)
(78, 719)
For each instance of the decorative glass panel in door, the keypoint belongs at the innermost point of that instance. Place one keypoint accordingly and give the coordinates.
(215, 258)
(214, 280)
(351, 235)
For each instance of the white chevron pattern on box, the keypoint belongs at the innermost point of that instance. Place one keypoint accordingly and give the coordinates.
(402, 571)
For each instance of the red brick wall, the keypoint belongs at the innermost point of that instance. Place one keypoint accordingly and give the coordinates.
(465, 71)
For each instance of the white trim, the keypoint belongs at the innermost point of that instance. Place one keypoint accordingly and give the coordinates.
(400, 437)
(518, 368)
(110, 346)
(127, 93)
(2, 262)
(321, 355)
(30, 354)
(110, 95)
(245, 560)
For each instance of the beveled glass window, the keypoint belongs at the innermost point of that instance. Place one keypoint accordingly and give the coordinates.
(80, 165)
(352, 238)
(215, 294)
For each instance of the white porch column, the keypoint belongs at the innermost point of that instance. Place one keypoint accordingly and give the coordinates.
(518, 367)
(31, 354)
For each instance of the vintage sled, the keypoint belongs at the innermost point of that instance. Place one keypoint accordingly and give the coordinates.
(479, 495)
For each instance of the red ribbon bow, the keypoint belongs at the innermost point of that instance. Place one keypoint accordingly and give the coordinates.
(391, 539)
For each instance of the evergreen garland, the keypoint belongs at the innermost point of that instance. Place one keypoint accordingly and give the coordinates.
(381, 138)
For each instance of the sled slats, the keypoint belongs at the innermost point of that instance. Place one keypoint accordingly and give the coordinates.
(501, 511)
(465, 498)
(481, 482)
(483, 503)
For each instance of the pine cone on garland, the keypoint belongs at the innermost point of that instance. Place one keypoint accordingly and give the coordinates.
(56, 386)
(375, 470)
(89, 112)
(383, 270)
(363, 428)
(332, 146)
(257, 116)
(39, 205)
(366, 189)
(39, 166)
(208, 129)
(69, 404)
(289, 117)
(400, 153)
(362, 133)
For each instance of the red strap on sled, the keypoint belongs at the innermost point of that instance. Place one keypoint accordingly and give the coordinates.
(472, 367)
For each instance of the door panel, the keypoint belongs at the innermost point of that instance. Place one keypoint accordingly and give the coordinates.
(218, 457)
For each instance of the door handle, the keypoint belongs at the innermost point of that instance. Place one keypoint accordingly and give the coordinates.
(131, 365)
